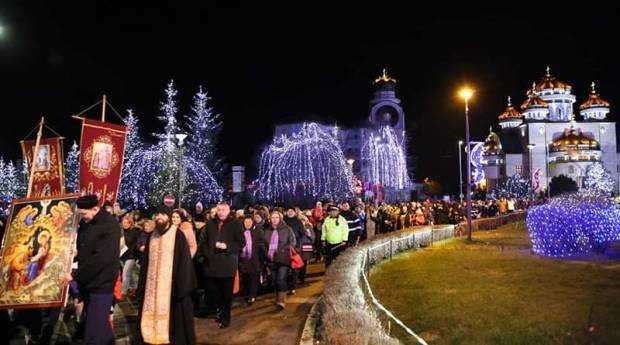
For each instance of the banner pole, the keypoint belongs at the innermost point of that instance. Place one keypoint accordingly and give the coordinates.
(34, 157)
(103, 109)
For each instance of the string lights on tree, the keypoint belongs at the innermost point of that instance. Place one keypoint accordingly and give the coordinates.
(152, 171)
(72, 169)
(598, 181)
(385, 159)
(204, 127)
(307, 165)
(515, 186)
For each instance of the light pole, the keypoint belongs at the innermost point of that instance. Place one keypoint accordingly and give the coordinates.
(466, 94)
(181, 137)
(460, 171)
(530, 148)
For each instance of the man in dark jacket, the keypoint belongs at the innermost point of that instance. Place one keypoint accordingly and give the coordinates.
(353, 221)
(221, 245)
(98, 251)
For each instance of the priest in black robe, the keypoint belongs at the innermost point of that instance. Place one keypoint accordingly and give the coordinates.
(167, 282)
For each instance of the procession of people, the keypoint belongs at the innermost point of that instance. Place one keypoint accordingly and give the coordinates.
(177, 264)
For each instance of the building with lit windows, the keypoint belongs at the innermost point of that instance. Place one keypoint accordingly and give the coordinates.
(546, 139)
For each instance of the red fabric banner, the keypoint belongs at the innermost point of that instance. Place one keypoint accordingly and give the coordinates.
(102, 147)
(49, 177)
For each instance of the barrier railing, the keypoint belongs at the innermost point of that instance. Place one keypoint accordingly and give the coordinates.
(386, 250)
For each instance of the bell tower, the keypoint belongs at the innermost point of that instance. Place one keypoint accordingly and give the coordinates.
(385, 108)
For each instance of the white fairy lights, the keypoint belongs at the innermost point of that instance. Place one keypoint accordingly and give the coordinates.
(308, 164)
(385, 159)
(573, 225)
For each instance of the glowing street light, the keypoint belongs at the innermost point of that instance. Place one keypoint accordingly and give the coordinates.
(466, 93)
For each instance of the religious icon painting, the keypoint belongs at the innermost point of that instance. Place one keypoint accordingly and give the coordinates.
(42, 162)
(37, 252)
(101, 158)
(47, 166)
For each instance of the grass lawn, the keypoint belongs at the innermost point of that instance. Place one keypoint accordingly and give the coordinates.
(495, 291)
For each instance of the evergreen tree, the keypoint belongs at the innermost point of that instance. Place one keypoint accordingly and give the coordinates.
(169, 111)
(72, 169)
(598, 181)
(204, 127)
(515, 186)
(135, 177)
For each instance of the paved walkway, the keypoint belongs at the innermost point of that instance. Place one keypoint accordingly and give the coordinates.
(261, 323)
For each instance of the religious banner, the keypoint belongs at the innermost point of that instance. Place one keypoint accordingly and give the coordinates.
(48, 175)
(102, 148)
(37, 252)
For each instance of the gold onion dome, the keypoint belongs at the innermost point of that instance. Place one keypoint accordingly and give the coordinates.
(594, 100)
(384, 78)
(573, 139)
(550, 82)
(533, 101)
(492, 144)
(510, 112)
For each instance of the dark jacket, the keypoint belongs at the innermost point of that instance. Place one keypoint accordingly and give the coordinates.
(353, 220)
(259, 254)
(286, 240)
(298, 229)
(98, 251)
(131, 242)
(220, 263)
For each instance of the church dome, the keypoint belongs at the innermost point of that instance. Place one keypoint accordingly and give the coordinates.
(385, 82)
(492, 144)
(533, 101)
(510, 112)
(573, 139)
(594, 100)
(550, 82)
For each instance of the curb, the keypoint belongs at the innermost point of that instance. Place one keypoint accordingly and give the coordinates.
(309, 331)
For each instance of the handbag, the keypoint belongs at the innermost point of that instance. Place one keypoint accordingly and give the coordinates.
(236, 283)
(296, 261)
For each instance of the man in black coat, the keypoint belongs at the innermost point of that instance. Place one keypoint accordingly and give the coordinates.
(220, 247)
(98, 268)
(353, 221)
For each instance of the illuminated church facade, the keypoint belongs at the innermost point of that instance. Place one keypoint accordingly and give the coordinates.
(545, 139)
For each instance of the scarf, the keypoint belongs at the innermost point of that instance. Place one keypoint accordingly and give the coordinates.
(273, 244)
(246, 254)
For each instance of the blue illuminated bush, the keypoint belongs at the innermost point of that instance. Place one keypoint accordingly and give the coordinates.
(573, 225)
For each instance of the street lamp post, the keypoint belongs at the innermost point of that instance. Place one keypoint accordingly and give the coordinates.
(530, 148)
(181, 138)
(466, 94)
(460, 171)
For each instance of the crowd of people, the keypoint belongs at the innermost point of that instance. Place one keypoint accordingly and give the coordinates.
(175, 264)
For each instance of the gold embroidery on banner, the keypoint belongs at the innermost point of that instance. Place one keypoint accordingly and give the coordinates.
(101, 157)
(155, 323)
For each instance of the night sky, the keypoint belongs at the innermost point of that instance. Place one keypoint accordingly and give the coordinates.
(265, 66)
